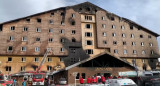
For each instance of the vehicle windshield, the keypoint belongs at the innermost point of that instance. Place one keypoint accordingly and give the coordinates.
(1, 77)
(38, 76)
(129, 85)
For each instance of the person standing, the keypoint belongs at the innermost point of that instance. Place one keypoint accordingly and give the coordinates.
(81, 80)
(103, 79)
(23, 83)
(89, 80)
(14, 80)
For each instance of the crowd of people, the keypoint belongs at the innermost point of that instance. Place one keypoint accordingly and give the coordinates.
(97, 79)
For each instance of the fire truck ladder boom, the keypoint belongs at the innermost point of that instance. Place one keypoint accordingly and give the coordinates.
(43, 60)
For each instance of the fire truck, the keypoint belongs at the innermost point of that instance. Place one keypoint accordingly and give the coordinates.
(5, 80)
(38, 76)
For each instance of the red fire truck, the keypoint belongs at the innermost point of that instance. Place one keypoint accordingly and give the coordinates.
(6, 80)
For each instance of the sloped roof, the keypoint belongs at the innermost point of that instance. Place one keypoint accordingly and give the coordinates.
(87, 3)
(88, 59)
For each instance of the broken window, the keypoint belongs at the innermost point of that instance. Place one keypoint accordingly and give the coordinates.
(38, 30)
(12, 28)
(8, 68)
(23, 59)
(24, 38)
(22, 68)
(25, 29)
(38, 20)
(51, 21)
(73, 23)
(23, 48)
(114, 42)
(52, 14)
(37, 49)
(10, 49)
(36, 59)
(50, 30)
(38, 39)
(131, 27)
(50, 39)
(112, 18)
(141, 36)
(11, 38)
(49, 59)
(88, 34)
(28, 19)
(9, 59)
(73, 31)
(88, 42)
(88, 26)
(62, 14)
(73, 40)
(89, 51)
(62, 49)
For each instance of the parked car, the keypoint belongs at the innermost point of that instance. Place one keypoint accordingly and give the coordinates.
(121, 82)
(62, 81)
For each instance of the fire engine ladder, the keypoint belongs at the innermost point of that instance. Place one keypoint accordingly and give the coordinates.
(43, 60)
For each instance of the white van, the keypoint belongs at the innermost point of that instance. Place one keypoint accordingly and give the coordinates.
(121, 82)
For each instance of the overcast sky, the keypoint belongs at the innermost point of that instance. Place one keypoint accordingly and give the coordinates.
(144, 12)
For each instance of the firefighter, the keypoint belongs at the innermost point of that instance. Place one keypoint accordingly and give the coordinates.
(15, 82)
(103, 79)
(81, 80)
(89, 80)
(23, 83)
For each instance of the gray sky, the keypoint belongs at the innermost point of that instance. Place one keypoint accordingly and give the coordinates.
(144, 12)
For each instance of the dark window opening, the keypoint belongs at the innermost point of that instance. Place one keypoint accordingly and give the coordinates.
(49, 68)
(89, 51)
(28, 19)
(141, 36)
(114, 42)
(88, 42)
(73, 50)
(9, 59)
(88, 26)
(131, 27)
(38, 20)
(62, 22)
(25, 29)
(73, 32)
(88, 9)
(62, 40)
(51, 21)
(38, 39)
(13, 28)
(149, 36)
(8, 68)
(73, 22)
(104, 42)
(36, 59)
(49, 59)
(50, 39)
(80, 9)
(52, 14)
(1, 29)
(83, 75)
(10, 48)
(124, 43)
(88, 34)
(112, 18)
(62, 14)
(139, 28)
(78, 75)
(73, 40)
